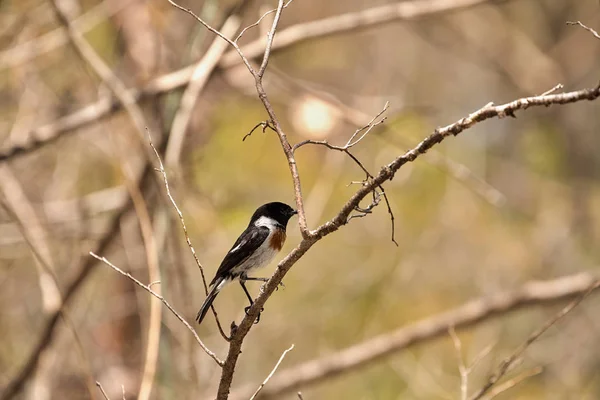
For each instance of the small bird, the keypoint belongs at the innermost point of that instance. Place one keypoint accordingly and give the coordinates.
(255, 248)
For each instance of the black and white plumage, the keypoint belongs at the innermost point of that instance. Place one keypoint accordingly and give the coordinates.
(255, 248)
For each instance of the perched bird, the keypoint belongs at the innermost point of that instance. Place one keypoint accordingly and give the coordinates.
(255, 248)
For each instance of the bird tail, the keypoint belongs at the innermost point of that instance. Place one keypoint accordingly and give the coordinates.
(214, 291)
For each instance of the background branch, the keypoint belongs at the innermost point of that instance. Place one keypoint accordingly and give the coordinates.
(315, 371)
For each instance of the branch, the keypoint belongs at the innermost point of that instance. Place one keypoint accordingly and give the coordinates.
(22, 53)
(162, 299)
(272, 372)
(162, 171)
(84, 270)
(373, 17)
(508, 363)
(487, 112)
(469, 314)
(386, 173)
(593, 32)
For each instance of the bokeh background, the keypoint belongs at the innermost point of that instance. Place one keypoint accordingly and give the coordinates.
(506, 202)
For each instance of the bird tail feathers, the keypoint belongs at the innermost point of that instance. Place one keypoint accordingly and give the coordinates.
(212, 294)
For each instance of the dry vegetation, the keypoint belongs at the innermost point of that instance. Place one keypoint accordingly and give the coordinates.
(471, 273)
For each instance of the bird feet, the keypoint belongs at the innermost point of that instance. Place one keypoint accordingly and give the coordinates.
(258, 316)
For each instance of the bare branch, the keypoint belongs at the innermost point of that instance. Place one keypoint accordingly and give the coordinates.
(593, 32)
(311, 372)
(511, 360)
(162, 299)
(484, 113)
(185, 231)
(258, 21)
(219, 34)
(509, 384)
(272, 372)
(375, 17)
(462, 369)
(102, 390)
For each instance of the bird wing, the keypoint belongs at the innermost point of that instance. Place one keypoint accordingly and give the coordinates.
(250, 240)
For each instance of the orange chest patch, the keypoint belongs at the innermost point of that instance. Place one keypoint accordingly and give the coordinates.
(277, 239)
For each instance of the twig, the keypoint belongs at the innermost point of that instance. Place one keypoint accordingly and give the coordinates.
(272, 372)
(510, 361)
(263, 124)
(484, 113)
(593, 32)
(184, 228)
(359, 355)
(102, 390)
(509, 384)
(238, 37)
(462, 369)
(162, 299)
(219, 34)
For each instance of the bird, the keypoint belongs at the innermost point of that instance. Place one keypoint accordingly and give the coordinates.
(254, 248)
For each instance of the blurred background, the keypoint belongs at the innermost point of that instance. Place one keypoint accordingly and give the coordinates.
(506, 202)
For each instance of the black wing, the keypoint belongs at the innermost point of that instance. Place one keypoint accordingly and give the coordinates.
(244, 246)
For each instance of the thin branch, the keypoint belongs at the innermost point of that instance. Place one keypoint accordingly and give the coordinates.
(593, 32)
(475, 311)
(102, 390)
(509, 384)
(269, 44)
(456, 170)
(162, 299)
(462, 369)
(487, 112)
(258, 21)
(219, 34)
(185, 231)
(509, 362)
(272, 372)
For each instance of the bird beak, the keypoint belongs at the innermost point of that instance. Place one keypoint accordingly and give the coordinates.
(294, 212)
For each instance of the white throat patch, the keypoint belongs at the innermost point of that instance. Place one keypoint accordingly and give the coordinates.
(266, 222)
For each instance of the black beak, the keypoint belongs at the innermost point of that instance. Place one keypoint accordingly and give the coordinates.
(294, 212)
